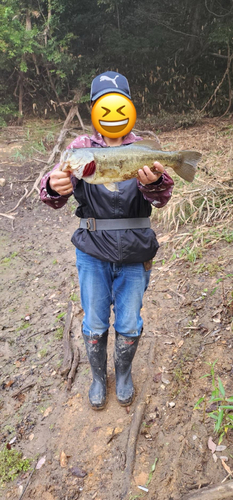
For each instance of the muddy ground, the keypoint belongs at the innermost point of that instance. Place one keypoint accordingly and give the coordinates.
(187, 316)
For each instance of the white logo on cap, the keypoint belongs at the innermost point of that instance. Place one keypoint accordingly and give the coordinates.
(111, 79)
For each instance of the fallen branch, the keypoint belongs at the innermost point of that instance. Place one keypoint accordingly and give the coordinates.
(24, 388)
(8, 216)
(56, 150)
(149, 132)
(216, 493)
(68, 352)
(42, 161)
(28, 481)
(20, 201)
(73, 369)
(136, 424)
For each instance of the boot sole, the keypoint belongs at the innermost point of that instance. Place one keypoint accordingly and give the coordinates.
(126, 403)
(97, 408)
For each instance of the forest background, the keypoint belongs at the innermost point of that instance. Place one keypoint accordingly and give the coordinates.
(177, 54)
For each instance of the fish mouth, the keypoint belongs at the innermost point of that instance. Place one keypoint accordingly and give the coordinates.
(116, 126)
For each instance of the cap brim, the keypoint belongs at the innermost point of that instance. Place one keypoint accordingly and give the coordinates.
(108, 91)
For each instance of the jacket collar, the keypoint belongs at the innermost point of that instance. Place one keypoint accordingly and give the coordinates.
(131, 137)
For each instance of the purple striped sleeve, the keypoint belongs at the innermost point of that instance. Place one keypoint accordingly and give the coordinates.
(158, 194)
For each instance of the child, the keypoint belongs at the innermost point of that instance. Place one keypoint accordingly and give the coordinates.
(113, 264)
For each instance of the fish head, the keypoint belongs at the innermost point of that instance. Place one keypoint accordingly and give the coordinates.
(79, 162)
(113, 115)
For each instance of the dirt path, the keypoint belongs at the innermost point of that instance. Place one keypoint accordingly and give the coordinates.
(187, 313)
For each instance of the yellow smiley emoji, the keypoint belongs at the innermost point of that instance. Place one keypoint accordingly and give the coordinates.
(113, 115)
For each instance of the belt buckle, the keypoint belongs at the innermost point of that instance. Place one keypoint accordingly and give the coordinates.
(91, 224)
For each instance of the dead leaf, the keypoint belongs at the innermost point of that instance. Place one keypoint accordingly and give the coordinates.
(10, 383)
(47, 411)
(157, 378)
(41, 462)
(211, 445)
(220, 447)
(63, 459)
(180, 343)
(165, 380)
(217, 318)
(226, 467)
(12, 440)
(21, 397)
(31, 437)
(218, 311)
(76, 471)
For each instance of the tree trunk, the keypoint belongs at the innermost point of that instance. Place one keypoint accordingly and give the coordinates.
(20, 118)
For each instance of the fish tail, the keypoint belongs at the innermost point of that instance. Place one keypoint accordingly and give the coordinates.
(188, 166)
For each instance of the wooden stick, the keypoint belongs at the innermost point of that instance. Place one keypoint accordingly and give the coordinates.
(31, 384)
(136, 424)
(20, 201)
(28, 481)
(68, 352)
(8, 216)
(73, 369)
(216, 493)
(149, 132)
(56, 149)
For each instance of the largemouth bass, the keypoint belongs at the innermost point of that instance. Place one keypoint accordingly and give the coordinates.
(115, 164)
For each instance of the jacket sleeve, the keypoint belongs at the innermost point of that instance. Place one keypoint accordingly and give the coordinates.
(50, 197)
(158, 193)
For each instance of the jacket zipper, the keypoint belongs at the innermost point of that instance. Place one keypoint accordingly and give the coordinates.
(117, 213)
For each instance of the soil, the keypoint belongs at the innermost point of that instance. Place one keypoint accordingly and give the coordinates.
(187, 314)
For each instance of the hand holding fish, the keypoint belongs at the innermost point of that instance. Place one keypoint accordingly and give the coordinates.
(146, 176)
(60, 182)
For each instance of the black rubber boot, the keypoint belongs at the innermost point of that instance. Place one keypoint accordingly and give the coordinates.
(96, 347)
(125, 349)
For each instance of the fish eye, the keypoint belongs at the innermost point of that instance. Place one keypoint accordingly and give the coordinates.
(119, 110)
(107, 111)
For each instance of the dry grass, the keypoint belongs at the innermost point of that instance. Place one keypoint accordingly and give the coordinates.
(201, 213)
(208, 204)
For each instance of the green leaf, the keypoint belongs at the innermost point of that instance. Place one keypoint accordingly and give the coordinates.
(196, 407)
(212, 415)
(219, 421)
(228, 407)
(154, 464)
(221, 388)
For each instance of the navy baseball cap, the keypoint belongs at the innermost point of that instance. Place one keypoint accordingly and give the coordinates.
(109, 82)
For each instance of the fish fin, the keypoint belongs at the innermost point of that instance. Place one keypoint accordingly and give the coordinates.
(188, 167)
(149, 143)
(111, 186)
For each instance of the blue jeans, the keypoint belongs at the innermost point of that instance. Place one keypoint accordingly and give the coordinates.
(103, 284)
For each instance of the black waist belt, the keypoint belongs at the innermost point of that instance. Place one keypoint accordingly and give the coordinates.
(92, 224)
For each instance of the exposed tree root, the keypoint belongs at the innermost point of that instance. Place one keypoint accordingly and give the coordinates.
(221, 492)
